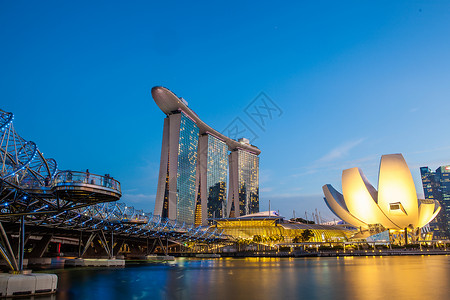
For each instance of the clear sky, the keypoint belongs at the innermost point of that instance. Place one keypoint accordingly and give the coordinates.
(354, 80)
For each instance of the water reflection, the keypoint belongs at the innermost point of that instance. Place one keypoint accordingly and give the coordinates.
(411, 277)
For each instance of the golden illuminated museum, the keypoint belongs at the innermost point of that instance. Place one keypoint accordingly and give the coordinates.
(275, 229)
(394, 206)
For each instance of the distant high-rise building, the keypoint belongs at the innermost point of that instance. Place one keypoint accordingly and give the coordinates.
(192, 183)
(436, 185)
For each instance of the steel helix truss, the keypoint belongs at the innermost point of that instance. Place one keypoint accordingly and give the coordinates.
(120, 219)
(22, 164)
(31, 184)
(32, 187)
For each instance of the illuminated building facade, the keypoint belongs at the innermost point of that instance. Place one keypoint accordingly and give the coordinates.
(194, 166)
(178, 172)
(213, 153)
(274, 230)
(394, 206)
(244, 183)
(436, 186)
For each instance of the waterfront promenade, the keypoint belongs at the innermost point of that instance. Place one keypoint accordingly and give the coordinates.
(325, 253)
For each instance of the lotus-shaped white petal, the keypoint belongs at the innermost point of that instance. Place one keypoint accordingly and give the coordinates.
(428, 210)
(336, 204)
(397, 196)
(360, 197)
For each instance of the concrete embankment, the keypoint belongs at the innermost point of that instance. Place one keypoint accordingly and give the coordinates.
(91, 262)
(26, 283)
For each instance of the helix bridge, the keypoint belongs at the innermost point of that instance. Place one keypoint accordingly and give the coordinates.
(38, 198)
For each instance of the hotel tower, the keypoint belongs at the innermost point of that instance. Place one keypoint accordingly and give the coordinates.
(196, 164)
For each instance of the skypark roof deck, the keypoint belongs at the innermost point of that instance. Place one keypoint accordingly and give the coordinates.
(169, 103)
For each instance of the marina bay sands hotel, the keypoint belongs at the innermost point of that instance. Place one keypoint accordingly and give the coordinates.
(196, 164)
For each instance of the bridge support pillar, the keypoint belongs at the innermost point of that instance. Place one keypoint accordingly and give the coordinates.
(161, 244)
(118, 245)
(21, 242)
(80, 241)
(98, 247)
(88, 244)
(15, 243)
(6, 250)
(104, 243)
(99, 244)
(112, 244)
(151, 250)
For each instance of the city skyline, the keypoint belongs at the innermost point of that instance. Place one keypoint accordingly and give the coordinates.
(436, 186)
(350, 86)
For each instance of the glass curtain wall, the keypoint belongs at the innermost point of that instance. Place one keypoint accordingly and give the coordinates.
(187, 161)
(248, 183)
(216, 178)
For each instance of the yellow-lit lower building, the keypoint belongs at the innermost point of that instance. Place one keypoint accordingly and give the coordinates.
(274, 230)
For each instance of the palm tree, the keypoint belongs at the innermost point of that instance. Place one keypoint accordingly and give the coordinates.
(297, 239)
(306, 235)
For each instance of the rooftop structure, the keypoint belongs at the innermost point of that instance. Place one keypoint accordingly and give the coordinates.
(169, 103)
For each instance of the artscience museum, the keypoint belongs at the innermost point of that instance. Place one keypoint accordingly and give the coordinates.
(394, 206)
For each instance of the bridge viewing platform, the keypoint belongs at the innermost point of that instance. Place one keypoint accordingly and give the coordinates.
(78, 187)
(86, 187)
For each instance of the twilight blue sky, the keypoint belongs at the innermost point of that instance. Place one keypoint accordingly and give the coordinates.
(354, 79)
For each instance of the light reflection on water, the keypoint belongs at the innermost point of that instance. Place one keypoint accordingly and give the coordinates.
(409, 277)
